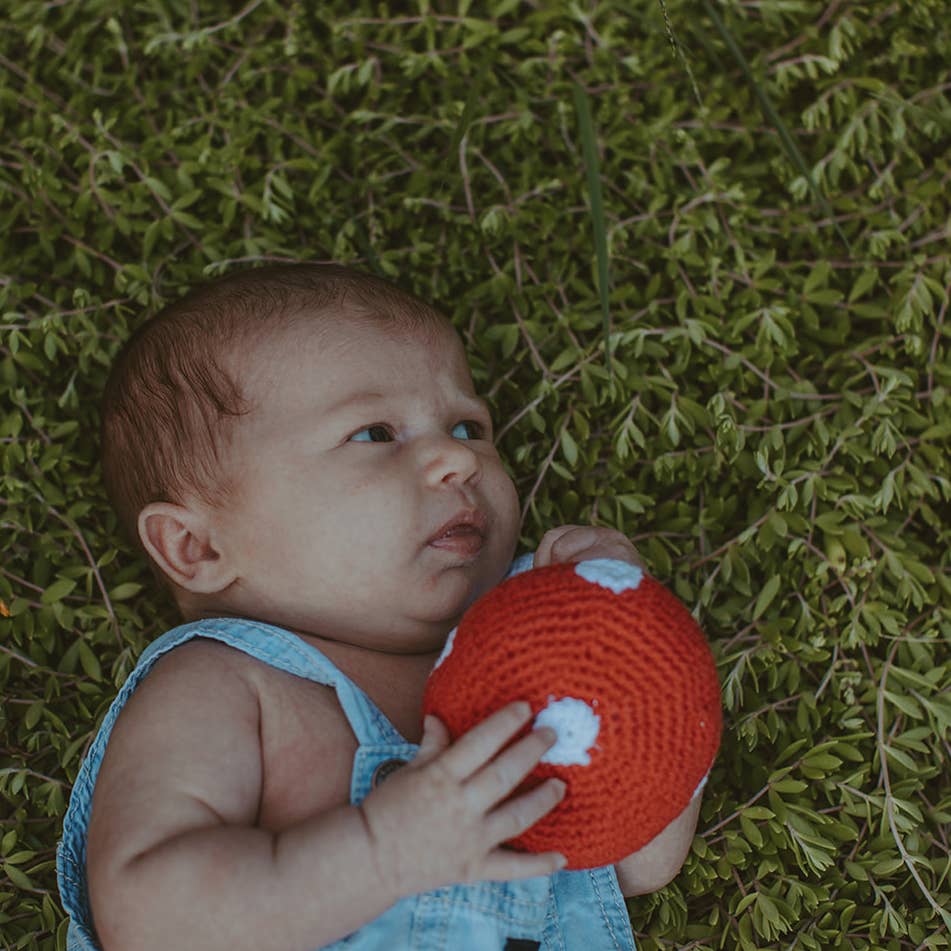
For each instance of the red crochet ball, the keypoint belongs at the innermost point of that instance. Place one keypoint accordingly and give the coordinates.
(630, 686)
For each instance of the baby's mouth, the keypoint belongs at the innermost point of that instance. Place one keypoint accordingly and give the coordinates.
(463, 540)
(463, 534)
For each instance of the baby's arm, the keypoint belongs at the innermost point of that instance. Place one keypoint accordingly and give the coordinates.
(657, 863)
(175, 858)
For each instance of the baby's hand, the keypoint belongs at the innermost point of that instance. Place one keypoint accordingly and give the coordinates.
(441, 819)
(583, 542)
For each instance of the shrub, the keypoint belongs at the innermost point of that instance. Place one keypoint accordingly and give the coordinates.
(772, 431)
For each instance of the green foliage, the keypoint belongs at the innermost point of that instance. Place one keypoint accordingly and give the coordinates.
(774, 433)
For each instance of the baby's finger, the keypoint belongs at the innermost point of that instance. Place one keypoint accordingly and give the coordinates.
(515, 816)
(504, 865)
(543, 552)
(474, 749)
(498, 778)
(435, 739)
(572, 544)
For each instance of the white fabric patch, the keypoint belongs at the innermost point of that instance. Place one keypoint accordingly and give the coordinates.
(577, 726)
(610, 573)
(447, 650)
(700, 785)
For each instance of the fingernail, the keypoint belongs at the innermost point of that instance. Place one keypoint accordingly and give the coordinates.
(561, 787)
(561, 862)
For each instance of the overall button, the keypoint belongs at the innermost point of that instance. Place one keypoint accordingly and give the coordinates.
(385, 770)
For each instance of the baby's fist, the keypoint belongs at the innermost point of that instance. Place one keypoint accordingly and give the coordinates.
(574, 543)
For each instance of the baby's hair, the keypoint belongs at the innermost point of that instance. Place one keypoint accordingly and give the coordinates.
(173, 395)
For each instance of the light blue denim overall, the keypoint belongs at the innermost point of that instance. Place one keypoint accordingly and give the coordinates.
(567, 911)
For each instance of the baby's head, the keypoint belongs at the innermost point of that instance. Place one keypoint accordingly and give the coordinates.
(285, 443)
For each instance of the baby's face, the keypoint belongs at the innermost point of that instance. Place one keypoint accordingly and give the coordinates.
(361, 446)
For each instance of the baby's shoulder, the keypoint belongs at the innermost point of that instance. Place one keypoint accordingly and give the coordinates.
(201, 670)
(205, 673)
(213, 722)
(201, 653)
(196, 691)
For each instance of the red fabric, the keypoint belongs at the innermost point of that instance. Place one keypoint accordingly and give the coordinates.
(637, 657)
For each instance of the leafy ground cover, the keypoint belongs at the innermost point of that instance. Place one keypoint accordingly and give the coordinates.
(772, 429)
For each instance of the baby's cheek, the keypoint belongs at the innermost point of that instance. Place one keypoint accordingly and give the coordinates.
(509, 509)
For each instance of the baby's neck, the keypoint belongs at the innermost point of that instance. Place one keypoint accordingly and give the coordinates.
(349, 656)
(394, 682)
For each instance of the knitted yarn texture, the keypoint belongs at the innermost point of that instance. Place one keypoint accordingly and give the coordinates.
(616, 664)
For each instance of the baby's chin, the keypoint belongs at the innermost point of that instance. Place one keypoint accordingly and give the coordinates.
(464, 583)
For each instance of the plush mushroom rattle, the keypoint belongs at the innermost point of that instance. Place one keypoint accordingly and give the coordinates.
(618, 667)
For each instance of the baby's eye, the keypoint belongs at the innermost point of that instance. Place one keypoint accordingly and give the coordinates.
(474, 427)
(378, 433)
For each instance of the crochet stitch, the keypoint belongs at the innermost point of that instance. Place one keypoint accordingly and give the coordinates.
(615, 663)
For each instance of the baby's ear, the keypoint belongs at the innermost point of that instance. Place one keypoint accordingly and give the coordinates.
(178, 541)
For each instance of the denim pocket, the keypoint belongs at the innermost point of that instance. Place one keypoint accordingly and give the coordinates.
(485, 915)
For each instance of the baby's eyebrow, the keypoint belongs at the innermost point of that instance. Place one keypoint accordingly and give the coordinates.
(365, 396)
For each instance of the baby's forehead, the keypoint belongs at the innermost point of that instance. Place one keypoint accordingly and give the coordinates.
(343, 333)
(343, 349)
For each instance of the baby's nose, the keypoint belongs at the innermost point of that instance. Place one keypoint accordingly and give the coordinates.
(452, 460)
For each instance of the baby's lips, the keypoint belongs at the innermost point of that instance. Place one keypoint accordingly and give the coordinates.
(470, 519)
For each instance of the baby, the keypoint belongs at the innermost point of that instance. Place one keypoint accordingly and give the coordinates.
(301, 455)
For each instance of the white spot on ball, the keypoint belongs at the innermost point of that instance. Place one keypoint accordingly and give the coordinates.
(610, 573)
(447, 650)
(700, 785)
(577, 726)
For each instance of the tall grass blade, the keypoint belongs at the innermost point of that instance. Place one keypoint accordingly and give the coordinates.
(679, 53)
(772, 116)
(468, 110)
(593, 172)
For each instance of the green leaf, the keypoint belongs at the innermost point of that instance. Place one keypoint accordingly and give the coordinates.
(57, 591)
(125, 591)
(33, 714)
(569, 447)
(89, 661)
(906, 704)
(18, 878)
(863, 284)
(765, 597)
(789, 786)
